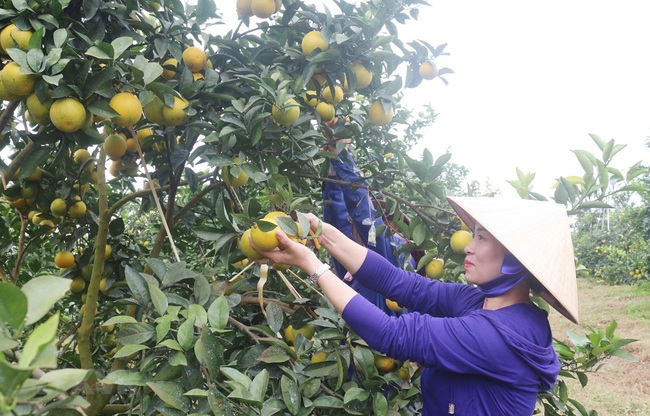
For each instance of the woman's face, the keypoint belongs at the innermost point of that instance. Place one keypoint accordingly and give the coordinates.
(483, 257)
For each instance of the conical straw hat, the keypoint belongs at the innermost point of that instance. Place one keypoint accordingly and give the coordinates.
(537, 233)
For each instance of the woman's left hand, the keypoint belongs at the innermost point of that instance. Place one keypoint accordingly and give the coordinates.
(291, 253)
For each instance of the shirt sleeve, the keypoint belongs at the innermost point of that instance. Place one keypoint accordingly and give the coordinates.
(415, 292)
(465, 345)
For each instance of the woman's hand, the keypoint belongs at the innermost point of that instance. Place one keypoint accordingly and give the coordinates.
(291, 253)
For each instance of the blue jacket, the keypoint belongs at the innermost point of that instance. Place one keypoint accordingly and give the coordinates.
(483, 362)
(351, 211)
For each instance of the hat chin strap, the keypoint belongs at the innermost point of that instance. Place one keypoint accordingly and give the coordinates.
(513, 273)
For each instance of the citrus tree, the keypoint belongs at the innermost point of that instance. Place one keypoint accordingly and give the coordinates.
(140, 142)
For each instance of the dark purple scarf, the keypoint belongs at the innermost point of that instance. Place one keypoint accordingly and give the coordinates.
(513, 273)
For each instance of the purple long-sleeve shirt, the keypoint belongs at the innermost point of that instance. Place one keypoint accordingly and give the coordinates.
(484, 362)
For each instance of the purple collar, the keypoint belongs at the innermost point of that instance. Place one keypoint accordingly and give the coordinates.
(513, 272)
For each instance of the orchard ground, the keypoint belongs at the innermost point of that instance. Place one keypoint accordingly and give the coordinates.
(620, 387)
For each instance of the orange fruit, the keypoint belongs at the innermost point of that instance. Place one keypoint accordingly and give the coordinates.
(326, 111)
(428, 70)
(68, 114)
(435, 269)
(16, 82)
(246, 248)
(169, 73)
(265, 240)
(459, 240)
(384, 364)
(287, 114)
(313, 40)
(393, 306)
(263, 8)
(175, 116)
(362, 74)
(378, 116)
(64, 259)
(128, 107)
(194, 58)
(115, 146)
(244, 8)
(58, 207)
(12, 37)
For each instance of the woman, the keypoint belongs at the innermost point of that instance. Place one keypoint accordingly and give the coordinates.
(485, 348)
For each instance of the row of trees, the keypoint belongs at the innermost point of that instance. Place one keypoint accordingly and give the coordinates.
(123, 287)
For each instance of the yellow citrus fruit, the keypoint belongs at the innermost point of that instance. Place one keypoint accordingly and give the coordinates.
(265, 240)
(231, 180)
(306, 330)
(244, 8)
(15, 82)
(153, 110)
(278, 5)
(77, 210)
(332, 99)
(197, 76)
(175, 116)
(378, 116)
(68, 114)
(108, 250)
(393, 306)
(317, 81)
(77, 285)
(384, 364)
(107, 328)
(80, 156)
(131, 145)
(435, 269)
(64, 259)
(115, 146)
(362, 75)
(143, 134)
(403, 373)
(102, 284)
(241, 263)
(40, 111)
(194, 58)
(313, 40)
(459, 240)
(36, 175)
(115, 168)
(263, 8)
(169, 73)
(312, 98)
(12, 37)
(428, 70)
(87, 272)
(275, 214)
(288, 114)
(246, 248)
(58, 207)
(6, 95)
(318, 357)
(128, 107)
(326, 111)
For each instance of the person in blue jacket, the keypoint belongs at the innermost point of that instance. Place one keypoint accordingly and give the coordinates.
(486, 349)
(352, 211)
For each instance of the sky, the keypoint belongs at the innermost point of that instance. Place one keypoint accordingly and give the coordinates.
(532, 80)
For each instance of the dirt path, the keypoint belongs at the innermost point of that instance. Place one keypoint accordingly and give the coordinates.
(620, 387)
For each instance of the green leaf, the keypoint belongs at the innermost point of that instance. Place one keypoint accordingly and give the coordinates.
(137, 284)
(290, 394)
(42, 336)
(274, 354)
(211, 352)
(218, 313)
(137, 333)
(219, 403)
(379, 404)
(64, 379)
(129, 349)
(13, 305)
(126, 378)
(259, 385)
(328, 402)
(236, 376)
(158, 299)
(120, 45)
(60, 36)
(122, 319)
(11, 378)
(42, 293)
(185, 334)
(171, 393)
(274, 316)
